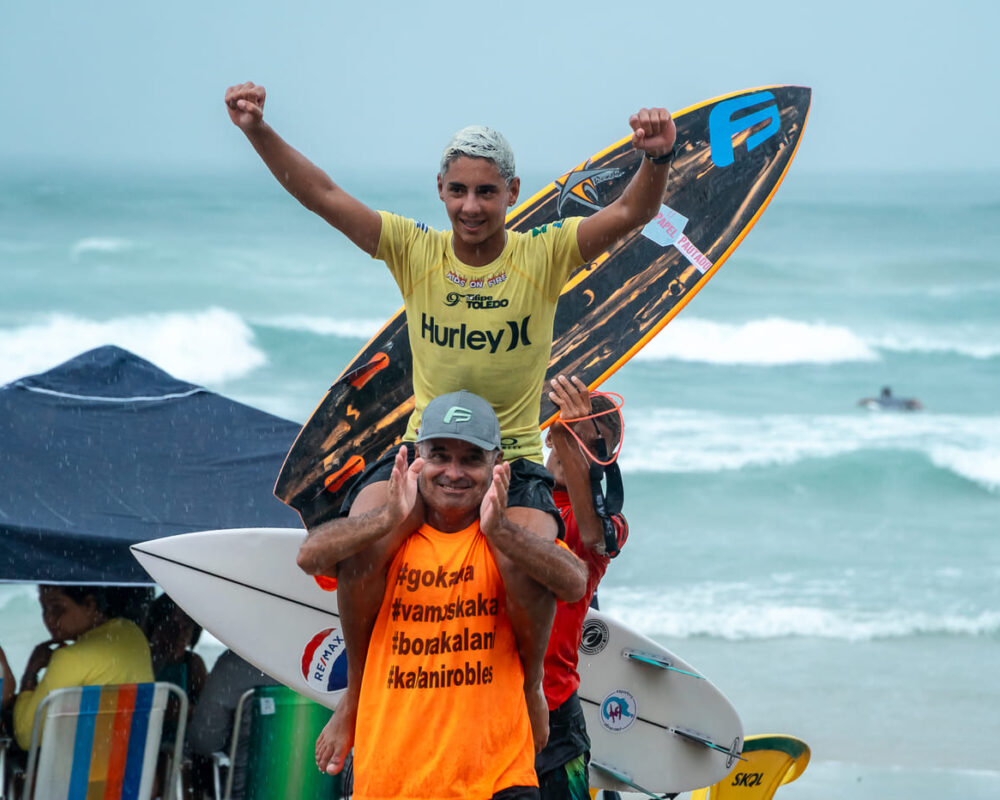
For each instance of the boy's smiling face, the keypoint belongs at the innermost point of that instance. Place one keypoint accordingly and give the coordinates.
(476, 198)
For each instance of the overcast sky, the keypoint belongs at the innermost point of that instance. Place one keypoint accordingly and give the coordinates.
(896, 85)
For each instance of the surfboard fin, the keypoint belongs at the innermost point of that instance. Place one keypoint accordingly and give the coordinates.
(656, 661)
(360, 376)
(706, 741)
(623, 777)
(355, 465)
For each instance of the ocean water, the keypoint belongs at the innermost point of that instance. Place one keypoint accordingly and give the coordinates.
(835, 571)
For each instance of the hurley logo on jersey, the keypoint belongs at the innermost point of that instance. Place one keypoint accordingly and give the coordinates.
(466, 337)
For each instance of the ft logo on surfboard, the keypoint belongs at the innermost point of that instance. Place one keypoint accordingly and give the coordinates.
(724, 126)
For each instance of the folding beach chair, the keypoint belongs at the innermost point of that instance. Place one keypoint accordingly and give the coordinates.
(4, 746)
(102, 741)
(772, 760)
(281, 750)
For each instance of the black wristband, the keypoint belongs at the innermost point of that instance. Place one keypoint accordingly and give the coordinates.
(666, 158)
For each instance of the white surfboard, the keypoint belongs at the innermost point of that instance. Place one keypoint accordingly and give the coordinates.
(655, 723)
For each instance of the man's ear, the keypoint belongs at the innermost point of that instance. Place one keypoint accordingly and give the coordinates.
(440, 186)
(513, 189)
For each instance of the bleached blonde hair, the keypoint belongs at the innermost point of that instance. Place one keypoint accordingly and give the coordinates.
(478, 141)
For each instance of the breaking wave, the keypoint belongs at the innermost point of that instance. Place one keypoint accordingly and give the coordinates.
(205, 347)
(680, 441)
(767, 342)
(96, 244)
(326, 326)
(775, 341)
(691, 614)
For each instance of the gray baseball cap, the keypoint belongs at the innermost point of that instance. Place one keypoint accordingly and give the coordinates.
(461, 415)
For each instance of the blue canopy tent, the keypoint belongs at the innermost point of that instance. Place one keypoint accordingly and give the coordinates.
(107, 450)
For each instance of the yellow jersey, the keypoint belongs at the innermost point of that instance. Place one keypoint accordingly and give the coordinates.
(114, 652)
(485, 329)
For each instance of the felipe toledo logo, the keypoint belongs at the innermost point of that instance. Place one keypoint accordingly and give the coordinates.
(475, 301)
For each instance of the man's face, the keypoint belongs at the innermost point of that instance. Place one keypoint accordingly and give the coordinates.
(456, 475)
(476, 198)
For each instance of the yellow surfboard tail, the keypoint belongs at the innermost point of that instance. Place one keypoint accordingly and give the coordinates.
(772, 760)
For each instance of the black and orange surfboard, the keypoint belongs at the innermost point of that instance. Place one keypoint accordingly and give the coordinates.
(732, 154)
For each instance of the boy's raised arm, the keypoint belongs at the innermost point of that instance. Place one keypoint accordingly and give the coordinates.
(654, 133)
(306, 182)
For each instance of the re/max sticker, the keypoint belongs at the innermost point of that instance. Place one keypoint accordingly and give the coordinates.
(667, 228)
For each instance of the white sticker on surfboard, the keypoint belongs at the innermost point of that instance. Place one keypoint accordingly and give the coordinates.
(594, 637)
(618, 711)
(324, 661)
(667, 228)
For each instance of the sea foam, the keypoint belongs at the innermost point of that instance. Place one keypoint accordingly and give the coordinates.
(676, 440)
(205, 347)
(776, 341)
(980, 343)
(772, 341)
(980, 466)
(360, 328)
(97, 244)
(693, 613)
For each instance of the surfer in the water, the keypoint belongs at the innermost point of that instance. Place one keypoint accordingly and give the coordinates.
(441, 707)
(480, 301)
(887, 401)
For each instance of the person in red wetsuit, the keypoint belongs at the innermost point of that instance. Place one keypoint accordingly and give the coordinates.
(588, 428)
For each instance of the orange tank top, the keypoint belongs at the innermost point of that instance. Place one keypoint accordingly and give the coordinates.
(442, 711)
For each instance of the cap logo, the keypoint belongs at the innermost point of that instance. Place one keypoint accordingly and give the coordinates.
(457, 414)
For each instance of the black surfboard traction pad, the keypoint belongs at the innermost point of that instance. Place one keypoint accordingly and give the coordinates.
(607, 312)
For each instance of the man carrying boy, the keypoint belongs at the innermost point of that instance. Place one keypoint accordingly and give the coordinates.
(480, 303)
(441, 706)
